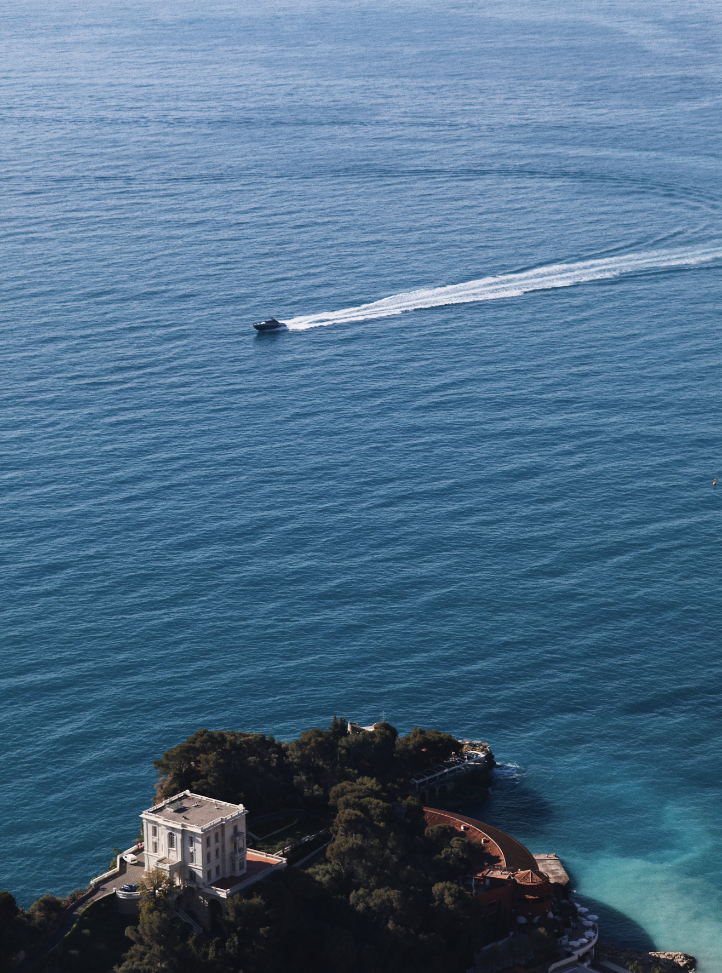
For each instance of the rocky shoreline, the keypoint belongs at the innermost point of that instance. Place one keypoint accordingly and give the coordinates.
(670, 962)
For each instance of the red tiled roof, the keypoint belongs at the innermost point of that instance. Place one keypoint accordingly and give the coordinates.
(529, 878)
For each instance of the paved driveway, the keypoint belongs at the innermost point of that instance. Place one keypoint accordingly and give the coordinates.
(128, 875)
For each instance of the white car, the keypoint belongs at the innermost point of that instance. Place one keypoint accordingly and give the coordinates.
(130, 858)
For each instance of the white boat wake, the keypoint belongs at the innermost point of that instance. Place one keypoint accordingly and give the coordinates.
(514, 285)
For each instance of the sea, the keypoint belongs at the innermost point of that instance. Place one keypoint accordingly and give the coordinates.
(471, 487)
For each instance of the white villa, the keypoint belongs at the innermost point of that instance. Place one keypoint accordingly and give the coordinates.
(196, 840)
(201, 844)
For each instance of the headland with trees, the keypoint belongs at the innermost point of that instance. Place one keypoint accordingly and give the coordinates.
(385, 896)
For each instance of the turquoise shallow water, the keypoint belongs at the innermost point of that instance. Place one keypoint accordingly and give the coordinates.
(494, 517)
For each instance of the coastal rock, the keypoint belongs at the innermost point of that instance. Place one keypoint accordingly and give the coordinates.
(671, 962)
(679, 961)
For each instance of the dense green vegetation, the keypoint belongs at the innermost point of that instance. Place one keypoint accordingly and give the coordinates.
(384, 897)
(22, 931)
(266, 774)
(96, 943)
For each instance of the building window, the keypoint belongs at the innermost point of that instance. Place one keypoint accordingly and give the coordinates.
(209, 874)
(190, 840)
(208, 857)
(155, 847)
(218, 853)
(235, 829)
(155, 831)
(191, 876)
(208, 841)
(216, 837)
(218, 869)
(191, 856)
(171, 840)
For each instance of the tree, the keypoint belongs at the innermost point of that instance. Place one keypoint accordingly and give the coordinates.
(23, 931)
(158, 944)
(338, 728)
(264, 774)
(294, 922)
(372, 752)
(254, 944)
(317, 763)
(156, 889)
(422, 748)
(543, 945)
(243, 768)
(388, 907)
(9, 909)
(364, 828)
(160, 941)
(12, 931)
(460, 857)
(47, 907)
(459, 921)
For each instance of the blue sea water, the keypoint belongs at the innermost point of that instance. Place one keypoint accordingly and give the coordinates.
(494, 517)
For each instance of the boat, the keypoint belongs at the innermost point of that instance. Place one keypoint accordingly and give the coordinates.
(271, 325)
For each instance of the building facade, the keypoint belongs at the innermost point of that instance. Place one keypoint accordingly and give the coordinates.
(196, 841)
(200, 844)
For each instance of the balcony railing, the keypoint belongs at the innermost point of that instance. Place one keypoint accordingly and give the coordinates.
(451, 768)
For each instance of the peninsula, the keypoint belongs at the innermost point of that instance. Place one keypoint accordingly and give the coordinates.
(334, 851)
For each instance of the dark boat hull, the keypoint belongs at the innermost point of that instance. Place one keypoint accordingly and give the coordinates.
(271, 325)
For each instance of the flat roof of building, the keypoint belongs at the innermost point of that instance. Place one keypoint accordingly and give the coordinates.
(194, 810)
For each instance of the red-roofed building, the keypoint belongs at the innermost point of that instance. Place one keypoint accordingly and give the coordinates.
(510, 887)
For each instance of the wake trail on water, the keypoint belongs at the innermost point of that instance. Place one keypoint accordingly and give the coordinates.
(514, 285)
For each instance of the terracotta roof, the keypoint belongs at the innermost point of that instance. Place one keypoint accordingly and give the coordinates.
(529, 878)
(514, 855)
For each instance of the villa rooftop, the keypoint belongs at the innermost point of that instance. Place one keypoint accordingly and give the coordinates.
(194, 810)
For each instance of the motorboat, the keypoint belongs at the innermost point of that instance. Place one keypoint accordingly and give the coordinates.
(270, 325)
